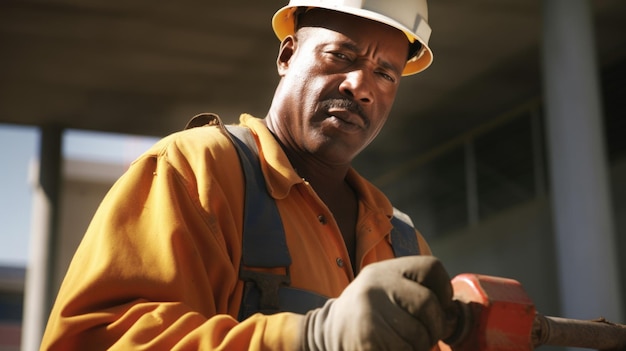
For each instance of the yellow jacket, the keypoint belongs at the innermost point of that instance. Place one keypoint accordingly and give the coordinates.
(158, 266)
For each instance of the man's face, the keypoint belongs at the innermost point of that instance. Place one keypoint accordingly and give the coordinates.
(340, 75)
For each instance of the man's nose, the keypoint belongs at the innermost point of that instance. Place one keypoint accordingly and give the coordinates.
(357, 85)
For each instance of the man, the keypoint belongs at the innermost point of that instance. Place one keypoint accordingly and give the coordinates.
(162, 265)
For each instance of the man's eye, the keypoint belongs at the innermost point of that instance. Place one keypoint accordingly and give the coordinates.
(341, 56)
(387, 76)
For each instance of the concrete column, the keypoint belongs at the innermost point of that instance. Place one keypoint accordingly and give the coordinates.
(582, 213)
(38, 297)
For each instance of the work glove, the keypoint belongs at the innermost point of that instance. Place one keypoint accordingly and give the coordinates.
(397, 304)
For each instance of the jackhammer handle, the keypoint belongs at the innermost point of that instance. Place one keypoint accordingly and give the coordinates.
(593, 334)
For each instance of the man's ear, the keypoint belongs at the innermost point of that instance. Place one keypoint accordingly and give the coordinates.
(285, 53)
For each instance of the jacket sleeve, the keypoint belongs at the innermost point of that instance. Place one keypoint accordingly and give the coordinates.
(158, 265)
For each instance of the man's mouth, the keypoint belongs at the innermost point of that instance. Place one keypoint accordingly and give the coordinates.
(347, 117)
(347, 111)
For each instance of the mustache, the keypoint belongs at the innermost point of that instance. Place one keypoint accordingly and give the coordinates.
(345, 104)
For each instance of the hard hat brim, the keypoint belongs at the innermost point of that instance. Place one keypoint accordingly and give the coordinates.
(283, 24)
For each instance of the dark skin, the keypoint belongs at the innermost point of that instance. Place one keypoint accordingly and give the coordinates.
(339, 78)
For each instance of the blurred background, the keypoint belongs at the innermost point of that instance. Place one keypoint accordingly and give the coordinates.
(509, 152)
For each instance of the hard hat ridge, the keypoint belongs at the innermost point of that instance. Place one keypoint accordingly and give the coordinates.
(408, 16)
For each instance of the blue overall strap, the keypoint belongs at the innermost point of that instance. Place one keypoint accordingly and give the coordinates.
(264, 243)
(263, 239)
(403, 236)
(267, 247)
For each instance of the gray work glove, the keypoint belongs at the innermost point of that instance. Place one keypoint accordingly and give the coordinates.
(397, 304)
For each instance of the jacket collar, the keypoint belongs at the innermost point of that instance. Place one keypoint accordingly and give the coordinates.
(280, 176)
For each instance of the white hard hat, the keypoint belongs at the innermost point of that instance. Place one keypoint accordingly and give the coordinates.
(409, 16)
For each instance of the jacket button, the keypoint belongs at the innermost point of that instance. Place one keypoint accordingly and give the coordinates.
(322, 219)
(339, 262)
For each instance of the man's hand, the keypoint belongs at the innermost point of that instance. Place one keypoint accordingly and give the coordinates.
(398, 304)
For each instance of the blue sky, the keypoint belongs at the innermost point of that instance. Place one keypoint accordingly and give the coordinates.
(18, 148)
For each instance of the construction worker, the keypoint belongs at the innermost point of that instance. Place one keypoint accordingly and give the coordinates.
(185, 251)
